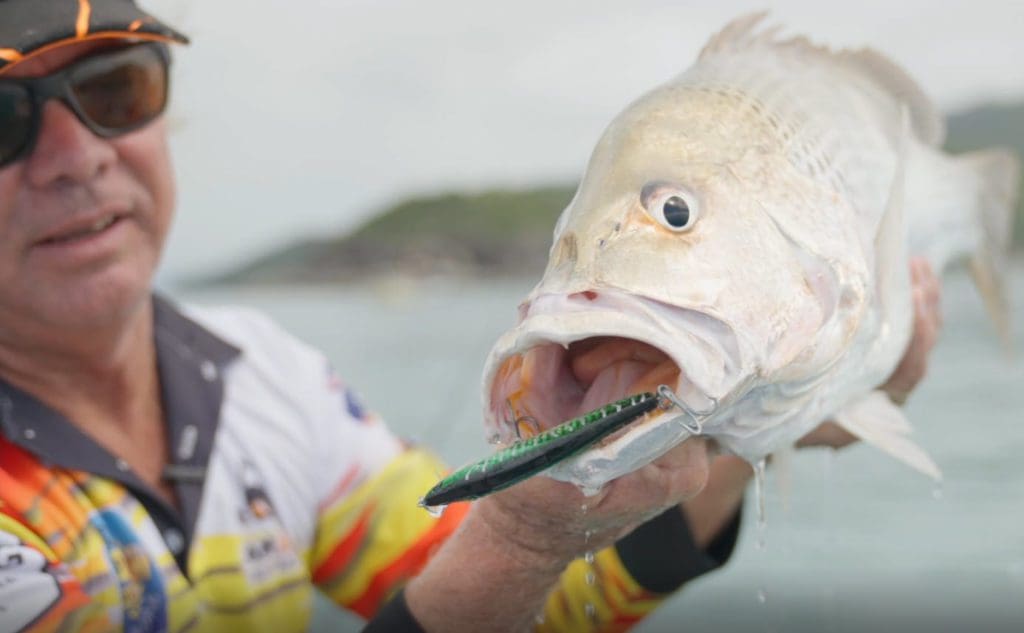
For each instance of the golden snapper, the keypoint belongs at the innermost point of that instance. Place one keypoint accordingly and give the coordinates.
(743, 232)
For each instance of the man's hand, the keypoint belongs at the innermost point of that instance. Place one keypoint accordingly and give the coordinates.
(498, 568)
(927, 324)
(572, 523)
(927, 293)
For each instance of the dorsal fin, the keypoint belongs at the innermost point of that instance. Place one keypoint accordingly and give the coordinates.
(743, 35)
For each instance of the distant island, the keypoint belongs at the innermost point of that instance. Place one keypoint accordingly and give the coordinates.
(507, 233)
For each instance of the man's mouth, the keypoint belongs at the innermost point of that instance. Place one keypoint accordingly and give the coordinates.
(81, 230)
(550, 383)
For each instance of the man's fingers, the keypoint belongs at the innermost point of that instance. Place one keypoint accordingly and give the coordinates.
(926, 293)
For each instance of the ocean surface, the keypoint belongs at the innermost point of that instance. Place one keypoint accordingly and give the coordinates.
(853, 541)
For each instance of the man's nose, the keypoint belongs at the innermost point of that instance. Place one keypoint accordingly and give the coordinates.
(66, 150)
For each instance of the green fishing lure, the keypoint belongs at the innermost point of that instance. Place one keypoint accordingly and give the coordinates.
(528, 457)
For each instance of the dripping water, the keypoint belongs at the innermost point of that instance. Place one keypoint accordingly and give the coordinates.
(759, 493)
(762, 523)
(589, 558)
(434, 511)
(591, 578)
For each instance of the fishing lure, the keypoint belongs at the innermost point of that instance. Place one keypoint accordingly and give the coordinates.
(526, 458)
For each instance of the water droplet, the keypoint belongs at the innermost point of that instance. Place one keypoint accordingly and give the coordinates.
(759, 494)
(583, 508)
(586, 536)
(589, 557)
(591, 578)
(540, 618)
(762, 597)
(434, 511)
(589, 491)
(591, 611)
(937, 492)
(759, 488)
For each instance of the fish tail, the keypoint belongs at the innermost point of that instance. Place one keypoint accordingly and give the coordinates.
(998, 172)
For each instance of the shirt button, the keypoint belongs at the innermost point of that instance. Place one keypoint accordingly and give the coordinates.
(175, 541)
(208, 370)
(187, 443)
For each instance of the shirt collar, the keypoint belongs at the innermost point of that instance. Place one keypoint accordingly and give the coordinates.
(191, 361)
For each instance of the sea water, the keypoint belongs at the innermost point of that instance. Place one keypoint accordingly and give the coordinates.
(865, 543)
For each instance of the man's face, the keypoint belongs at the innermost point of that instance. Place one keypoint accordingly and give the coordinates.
(82, 219)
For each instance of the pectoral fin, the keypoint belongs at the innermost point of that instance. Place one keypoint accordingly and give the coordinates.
(879, 422)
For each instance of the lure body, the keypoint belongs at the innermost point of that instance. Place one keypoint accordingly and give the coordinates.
(529, 457)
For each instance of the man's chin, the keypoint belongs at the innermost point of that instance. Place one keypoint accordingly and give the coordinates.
(98, 299)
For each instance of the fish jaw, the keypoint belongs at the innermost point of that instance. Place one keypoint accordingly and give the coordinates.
(536, 376)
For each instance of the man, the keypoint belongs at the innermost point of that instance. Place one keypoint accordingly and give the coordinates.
(164, 471)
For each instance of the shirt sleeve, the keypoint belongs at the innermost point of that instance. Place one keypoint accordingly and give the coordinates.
(371, 535)
(372, 542)
(37, 592)
(627, 582)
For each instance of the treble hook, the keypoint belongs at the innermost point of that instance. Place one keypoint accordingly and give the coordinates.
(529, 420)
(695, 424)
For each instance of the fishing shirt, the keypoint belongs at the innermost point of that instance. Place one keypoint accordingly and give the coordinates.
(286, 485)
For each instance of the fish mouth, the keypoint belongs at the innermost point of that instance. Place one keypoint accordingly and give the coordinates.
(550, 383)
(572, 353)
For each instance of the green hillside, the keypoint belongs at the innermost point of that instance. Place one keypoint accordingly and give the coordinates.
(489, 233)
(508, 232)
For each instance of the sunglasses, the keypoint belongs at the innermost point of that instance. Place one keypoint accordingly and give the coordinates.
(111, 93)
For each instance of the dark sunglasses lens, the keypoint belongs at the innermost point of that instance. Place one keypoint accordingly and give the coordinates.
(122, 91)
(15, 120)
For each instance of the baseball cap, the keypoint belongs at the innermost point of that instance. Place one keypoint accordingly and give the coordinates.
(29, 27)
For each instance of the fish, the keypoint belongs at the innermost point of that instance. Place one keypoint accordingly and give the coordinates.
(742, 235)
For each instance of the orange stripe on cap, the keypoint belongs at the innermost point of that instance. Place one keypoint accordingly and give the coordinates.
(82, 24)
(99, 35)
(9, 55)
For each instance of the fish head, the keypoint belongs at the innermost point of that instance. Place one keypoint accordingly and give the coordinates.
(675, 264)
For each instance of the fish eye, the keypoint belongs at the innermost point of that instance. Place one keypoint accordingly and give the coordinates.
(672, 207)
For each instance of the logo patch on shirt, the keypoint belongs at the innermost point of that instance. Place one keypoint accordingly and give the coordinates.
(353, 405)
(266, 551)
(27, 591)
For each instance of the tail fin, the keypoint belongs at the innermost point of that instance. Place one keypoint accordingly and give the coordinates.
(998, 171)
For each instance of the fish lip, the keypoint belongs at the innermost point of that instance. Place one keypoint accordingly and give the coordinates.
(554, 318)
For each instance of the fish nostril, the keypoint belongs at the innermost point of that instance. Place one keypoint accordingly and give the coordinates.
(589, 295)
(566, 250)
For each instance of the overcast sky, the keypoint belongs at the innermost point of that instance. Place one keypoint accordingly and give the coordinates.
(295, 118)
